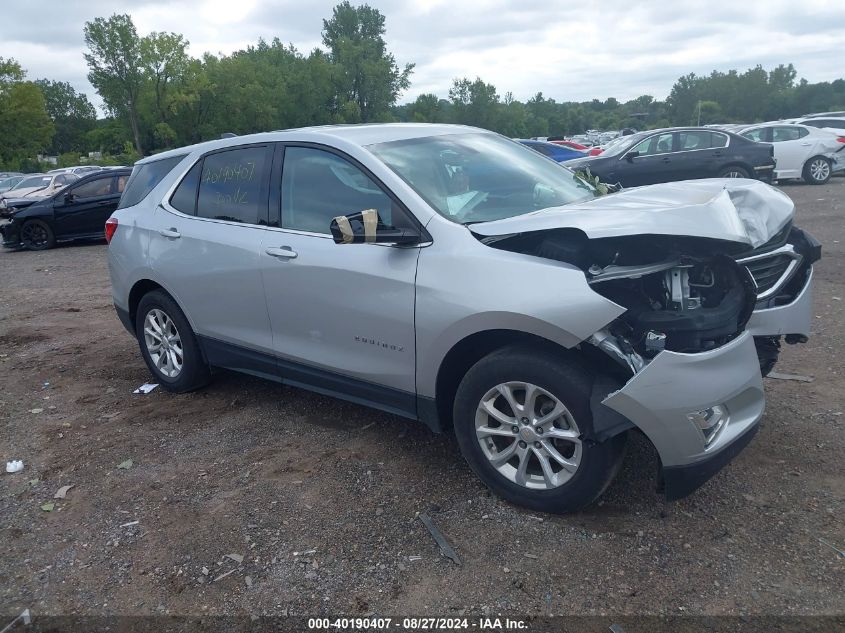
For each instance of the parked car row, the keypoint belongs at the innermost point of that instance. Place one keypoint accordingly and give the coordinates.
(70, 208)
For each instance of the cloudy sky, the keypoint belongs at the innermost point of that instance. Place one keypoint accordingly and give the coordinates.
(568, 50)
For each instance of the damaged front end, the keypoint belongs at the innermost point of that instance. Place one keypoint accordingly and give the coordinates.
(684, 367)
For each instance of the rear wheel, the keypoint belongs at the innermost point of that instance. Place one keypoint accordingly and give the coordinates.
(168, 344)
(817, 170)
(522, 419)
(36, 235)
(734, 171)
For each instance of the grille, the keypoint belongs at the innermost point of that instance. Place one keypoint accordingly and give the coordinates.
(768, 271)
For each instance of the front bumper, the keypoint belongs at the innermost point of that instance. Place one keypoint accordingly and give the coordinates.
(794, 318)
(673, 385)
(10, 235)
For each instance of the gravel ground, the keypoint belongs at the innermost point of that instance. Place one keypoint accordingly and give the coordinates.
(320, 498)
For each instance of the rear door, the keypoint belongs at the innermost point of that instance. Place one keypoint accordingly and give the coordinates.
(206, 248)
(696, 156)
(84, 208)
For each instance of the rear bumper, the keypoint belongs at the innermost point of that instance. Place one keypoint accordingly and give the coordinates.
(659, 399)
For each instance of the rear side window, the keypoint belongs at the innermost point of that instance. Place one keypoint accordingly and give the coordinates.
(718, 140)
(784, 133)
(144, 179)
(233, 185)
(184, 199)
(693, 139)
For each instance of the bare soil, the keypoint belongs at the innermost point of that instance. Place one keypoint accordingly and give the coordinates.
(321, 497)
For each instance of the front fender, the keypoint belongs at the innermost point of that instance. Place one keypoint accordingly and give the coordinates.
(474, 288)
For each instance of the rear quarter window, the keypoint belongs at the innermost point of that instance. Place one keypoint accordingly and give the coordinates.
(145, 178)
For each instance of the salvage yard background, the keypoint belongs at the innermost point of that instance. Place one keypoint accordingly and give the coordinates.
(320, 498)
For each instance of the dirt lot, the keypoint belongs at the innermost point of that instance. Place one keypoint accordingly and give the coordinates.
(321, 497)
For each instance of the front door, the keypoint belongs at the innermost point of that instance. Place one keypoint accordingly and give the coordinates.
(342, 315)
(83, 209)
(792, 149)
(649, 162)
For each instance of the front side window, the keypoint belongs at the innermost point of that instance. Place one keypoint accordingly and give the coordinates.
(93, 188)
(145, 178)
(318, 186)
(232, 185)
(758, 135)
(479, 177)
(657, 144)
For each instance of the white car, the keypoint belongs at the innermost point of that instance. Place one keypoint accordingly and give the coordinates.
(40, 185)
(800, 151)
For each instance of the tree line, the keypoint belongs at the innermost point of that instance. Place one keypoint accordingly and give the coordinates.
(156, 96)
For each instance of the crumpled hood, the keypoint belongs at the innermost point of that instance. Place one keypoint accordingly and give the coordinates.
(737, 210)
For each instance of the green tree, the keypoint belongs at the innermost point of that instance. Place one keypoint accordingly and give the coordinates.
(25, 126)
(72, 114)
(115, 69)
(367, 79)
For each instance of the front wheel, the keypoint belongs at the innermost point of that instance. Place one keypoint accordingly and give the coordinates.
(817, 170)
(734, 171)
(168, 344)
(36, 235)
(522, 420)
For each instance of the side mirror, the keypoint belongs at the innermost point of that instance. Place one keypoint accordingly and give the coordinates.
(365, 227)
(631, 155)
(69, 198)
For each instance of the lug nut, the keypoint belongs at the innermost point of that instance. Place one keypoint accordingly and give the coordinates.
(539, 430)
(524, 420)
(515, 429)
(537, 445)
(522, 444)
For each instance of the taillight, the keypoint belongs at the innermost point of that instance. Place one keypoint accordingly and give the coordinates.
(111, 227)
(841, 139)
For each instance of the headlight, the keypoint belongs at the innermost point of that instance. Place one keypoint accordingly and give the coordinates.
(3, 203)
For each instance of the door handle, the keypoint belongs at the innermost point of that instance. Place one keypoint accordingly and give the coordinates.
(104, 203)
(171, 233)
(806, 144)
(667, 160)
(284, 252)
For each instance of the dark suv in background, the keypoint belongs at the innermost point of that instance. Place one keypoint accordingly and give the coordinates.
(78, 211)
(656, 156)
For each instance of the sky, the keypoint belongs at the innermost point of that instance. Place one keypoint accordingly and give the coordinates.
(568, 50)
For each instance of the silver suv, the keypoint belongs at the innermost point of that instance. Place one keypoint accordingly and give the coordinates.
(451, 275)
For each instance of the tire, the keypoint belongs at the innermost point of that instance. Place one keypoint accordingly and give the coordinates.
(817, 170)
(36, 235)
(166, 316)
(734, 171)
(556, 382)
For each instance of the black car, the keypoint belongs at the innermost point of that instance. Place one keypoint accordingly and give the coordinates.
(79, 211)
(654, 156)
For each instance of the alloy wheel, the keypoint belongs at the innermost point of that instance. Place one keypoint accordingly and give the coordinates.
(34, 235)
(528, 435)
(820, 169)
(163, 343)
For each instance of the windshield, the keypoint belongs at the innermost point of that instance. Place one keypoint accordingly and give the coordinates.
(34, 181)
(479, 177)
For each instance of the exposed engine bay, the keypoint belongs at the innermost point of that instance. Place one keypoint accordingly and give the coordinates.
(680, 294)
